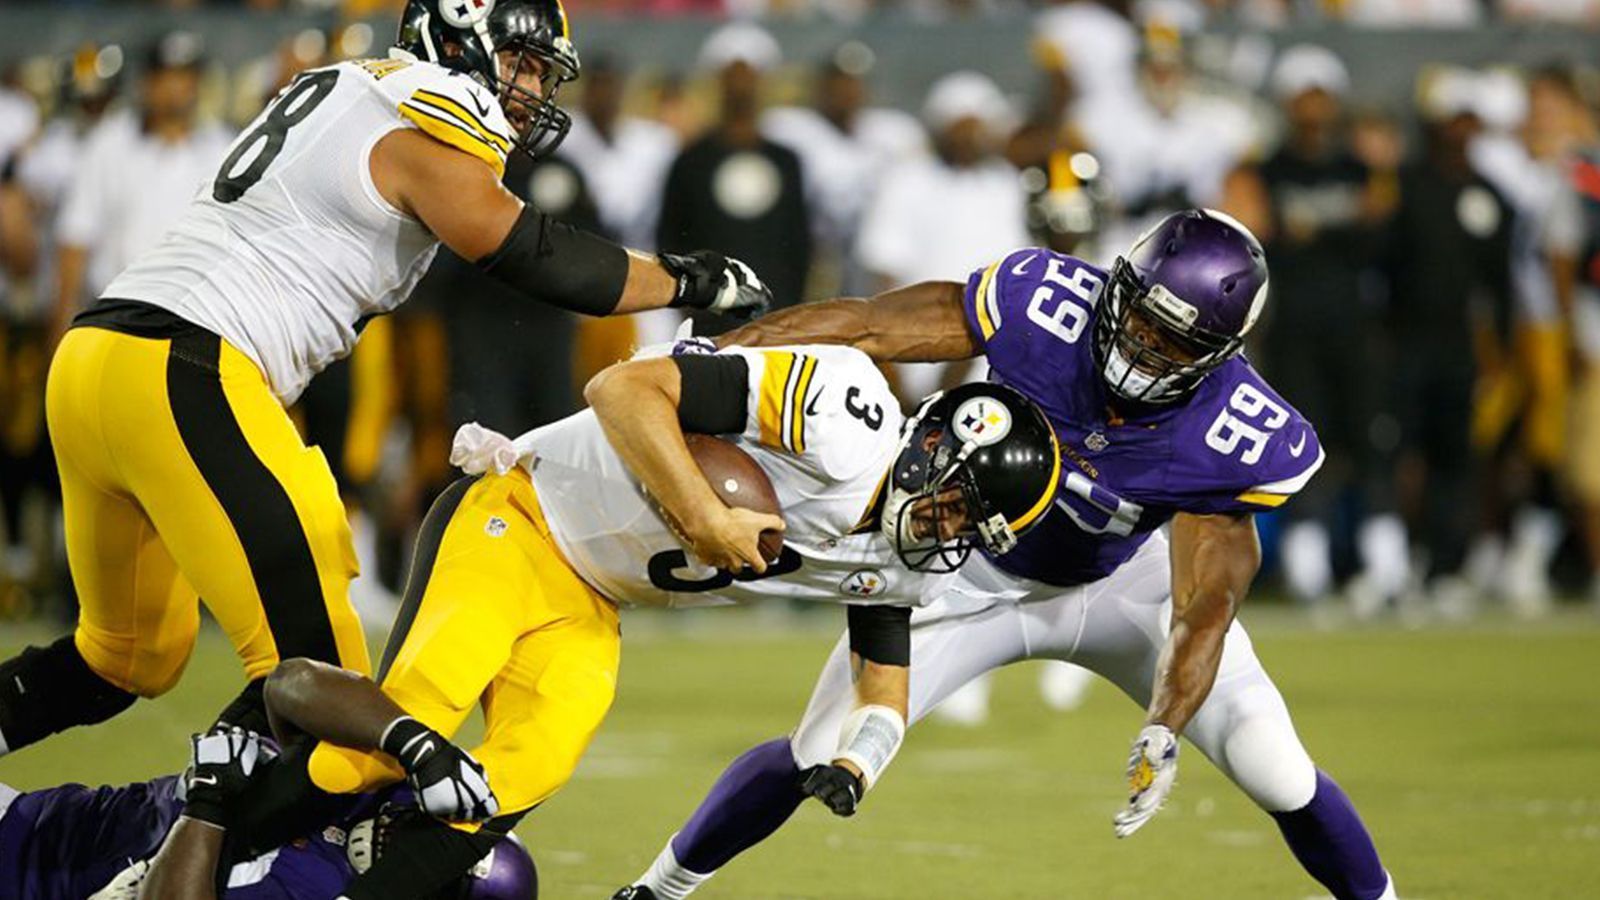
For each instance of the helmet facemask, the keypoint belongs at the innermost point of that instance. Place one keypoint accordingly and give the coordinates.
(1160, 371)
(540, 124)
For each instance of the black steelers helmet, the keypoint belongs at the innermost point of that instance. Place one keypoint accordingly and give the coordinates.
(992, 443)
(468, 35)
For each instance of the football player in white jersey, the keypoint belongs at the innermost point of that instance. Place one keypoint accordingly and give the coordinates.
(513, 594)
(181, 473)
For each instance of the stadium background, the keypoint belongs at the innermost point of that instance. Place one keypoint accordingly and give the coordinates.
(1460, 709)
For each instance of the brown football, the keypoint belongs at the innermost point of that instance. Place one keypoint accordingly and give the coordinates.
(739, 482)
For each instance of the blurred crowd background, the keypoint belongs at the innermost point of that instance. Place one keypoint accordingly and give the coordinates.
(1429, 201)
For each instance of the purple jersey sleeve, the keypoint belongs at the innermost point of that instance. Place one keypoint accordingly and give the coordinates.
(1240, 447)
(67, 842)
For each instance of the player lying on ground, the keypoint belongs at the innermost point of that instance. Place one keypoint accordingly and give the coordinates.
(73, 842)
(1161, 421)
(513, 591)
(181, 474)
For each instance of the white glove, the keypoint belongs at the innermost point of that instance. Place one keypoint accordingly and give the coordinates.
(477, 450)
(126, 885)
(1152, 768)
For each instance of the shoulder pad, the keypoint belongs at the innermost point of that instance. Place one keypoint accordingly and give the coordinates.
(1240, 446)
(446, 105)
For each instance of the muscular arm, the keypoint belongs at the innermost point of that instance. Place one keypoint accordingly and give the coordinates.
(461, 201)
(1214, 559)
(919, 323)
(186, 867)
(637, 405)
(329, 703)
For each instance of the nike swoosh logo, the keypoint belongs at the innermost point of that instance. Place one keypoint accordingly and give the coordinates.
(478, 105)
(811, 408)
(1298, 447)
(209, 779)
(422, 752)
(1021, 268)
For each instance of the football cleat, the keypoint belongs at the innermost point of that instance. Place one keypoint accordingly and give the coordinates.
(634, 892)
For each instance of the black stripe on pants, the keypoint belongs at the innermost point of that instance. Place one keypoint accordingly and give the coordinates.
(429, 536)
(262, 514)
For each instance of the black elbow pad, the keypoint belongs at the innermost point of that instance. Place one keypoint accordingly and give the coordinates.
(560, 265)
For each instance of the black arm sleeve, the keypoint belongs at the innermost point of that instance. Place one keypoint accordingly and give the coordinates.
(560, 265)
(715, 396)
(881, 634)
(422, 856)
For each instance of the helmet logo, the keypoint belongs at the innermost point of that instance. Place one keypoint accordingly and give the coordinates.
(863, 583)
(465, 13)
(981, 420)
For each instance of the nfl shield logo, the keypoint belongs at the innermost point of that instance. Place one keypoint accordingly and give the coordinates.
(863, 583)
(495, 527)
(1096, 441)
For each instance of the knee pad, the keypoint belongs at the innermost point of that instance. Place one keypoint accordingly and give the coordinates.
(1265, 758)
(48, 690)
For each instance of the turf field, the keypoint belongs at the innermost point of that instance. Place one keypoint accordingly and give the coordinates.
(1474, 755)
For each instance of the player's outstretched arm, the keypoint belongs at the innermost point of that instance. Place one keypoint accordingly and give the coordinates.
(1214, 559)
(464, 204)
(638, 405)
(880, 666)
(918, 323)
(186, 867)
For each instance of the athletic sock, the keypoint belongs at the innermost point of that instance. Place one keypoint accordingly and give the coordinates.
(1327, 837)
(667, 877)
(752, 798)
(47, 690)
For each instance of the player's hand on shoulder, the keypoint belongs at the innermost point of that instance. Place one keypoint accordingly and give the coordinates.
(476, 450)
(222, 762)
(716, 283)
(448, 782)
(730, 538)
(1152, 769)
(835, 785)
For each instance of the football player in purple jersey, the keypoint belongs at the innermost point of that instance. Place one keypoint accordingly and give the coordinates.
(74, 842)
(1162, 422)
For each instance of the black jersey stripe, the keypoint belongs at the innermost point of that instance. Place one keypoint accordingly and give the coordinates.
(429, 537)
(256, 504)
(459, 110)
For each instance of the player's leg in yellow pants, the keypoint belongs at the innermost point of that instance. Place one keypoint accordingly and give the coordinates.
(181, 474)
(493, 613)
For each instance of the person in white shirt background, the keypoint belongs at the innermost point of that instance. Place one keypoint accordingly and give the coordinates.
(846, 147)
(138, 172)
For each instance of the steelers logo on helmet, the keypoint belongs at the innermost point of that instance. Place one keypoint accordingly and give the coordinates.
(981, 420)
(465, 13)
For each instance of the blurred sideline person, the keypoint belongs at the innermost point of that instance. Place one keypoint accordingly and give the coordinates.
(135, 176)
(74, 842)
(520, 570)
(623, 158)
(846, 149)
(1319, 213)
(183, 478)
(1160, 420)
(735, 190)
(1448, 258)
(941, 215)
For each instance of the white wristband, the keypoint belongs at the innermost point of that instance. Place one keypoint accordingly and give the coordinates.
(869, 739)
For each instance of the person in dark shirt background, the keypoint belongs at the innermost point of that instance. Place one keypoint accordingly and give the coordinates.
(735, 191)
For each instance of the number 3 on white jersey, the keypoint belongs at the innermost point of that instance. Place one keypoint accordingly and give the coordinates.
(1229, 432)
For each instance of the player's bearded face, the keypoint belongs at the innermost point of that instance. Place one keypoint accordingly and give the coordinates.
(526, 73)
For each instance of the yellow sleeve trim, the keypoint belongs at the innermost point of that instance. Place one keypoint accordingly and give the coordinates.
(980, 301)
(797, 404)
(457, 136)
(443, 103)
(1260, 498)
(770, 405)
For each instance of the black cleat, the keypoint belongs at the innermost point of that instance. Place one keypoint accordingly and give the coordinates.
(634, 892)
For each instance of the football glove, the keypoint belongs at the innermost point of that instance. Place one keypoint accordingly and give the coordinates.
(477, 450)
(448, 782)
(835, 786)
(710, 281)
(222, 762)
(1152, 768)
(125, 886)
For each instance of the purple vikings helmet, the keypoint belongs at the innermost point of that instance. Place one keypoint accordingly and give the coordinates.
(507, 873)
(1195, 284)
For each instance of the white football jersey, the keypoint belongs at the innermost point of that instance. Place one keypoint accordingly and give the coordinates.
(291, 248)
(823, 425)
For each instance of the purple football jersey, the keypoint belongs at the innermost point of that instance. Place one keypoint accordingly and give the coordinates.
(1234, 447)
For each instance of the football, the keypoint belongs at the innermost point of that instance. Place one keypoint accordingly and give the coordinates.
(739, 482)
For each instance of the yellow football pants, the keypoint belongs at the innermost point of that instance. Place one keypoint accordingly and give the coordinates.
(493, 612)
(182, 474)
(1533, 388)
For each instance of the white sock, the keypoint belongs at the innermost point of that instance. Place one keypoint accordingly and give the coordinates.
(1388, 892)
(669, 879)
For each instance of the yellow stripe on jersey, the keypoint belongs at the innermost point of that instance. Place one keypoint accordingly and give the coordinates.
(1043, 504)
(796, 426)
(980, 301)
(448, 104)
(1262, 498)
(380, 69)
(456, 135)
(770, 405)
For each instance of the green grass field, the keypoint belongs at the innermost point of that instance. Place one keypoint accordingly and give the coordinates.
(1473, 754)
